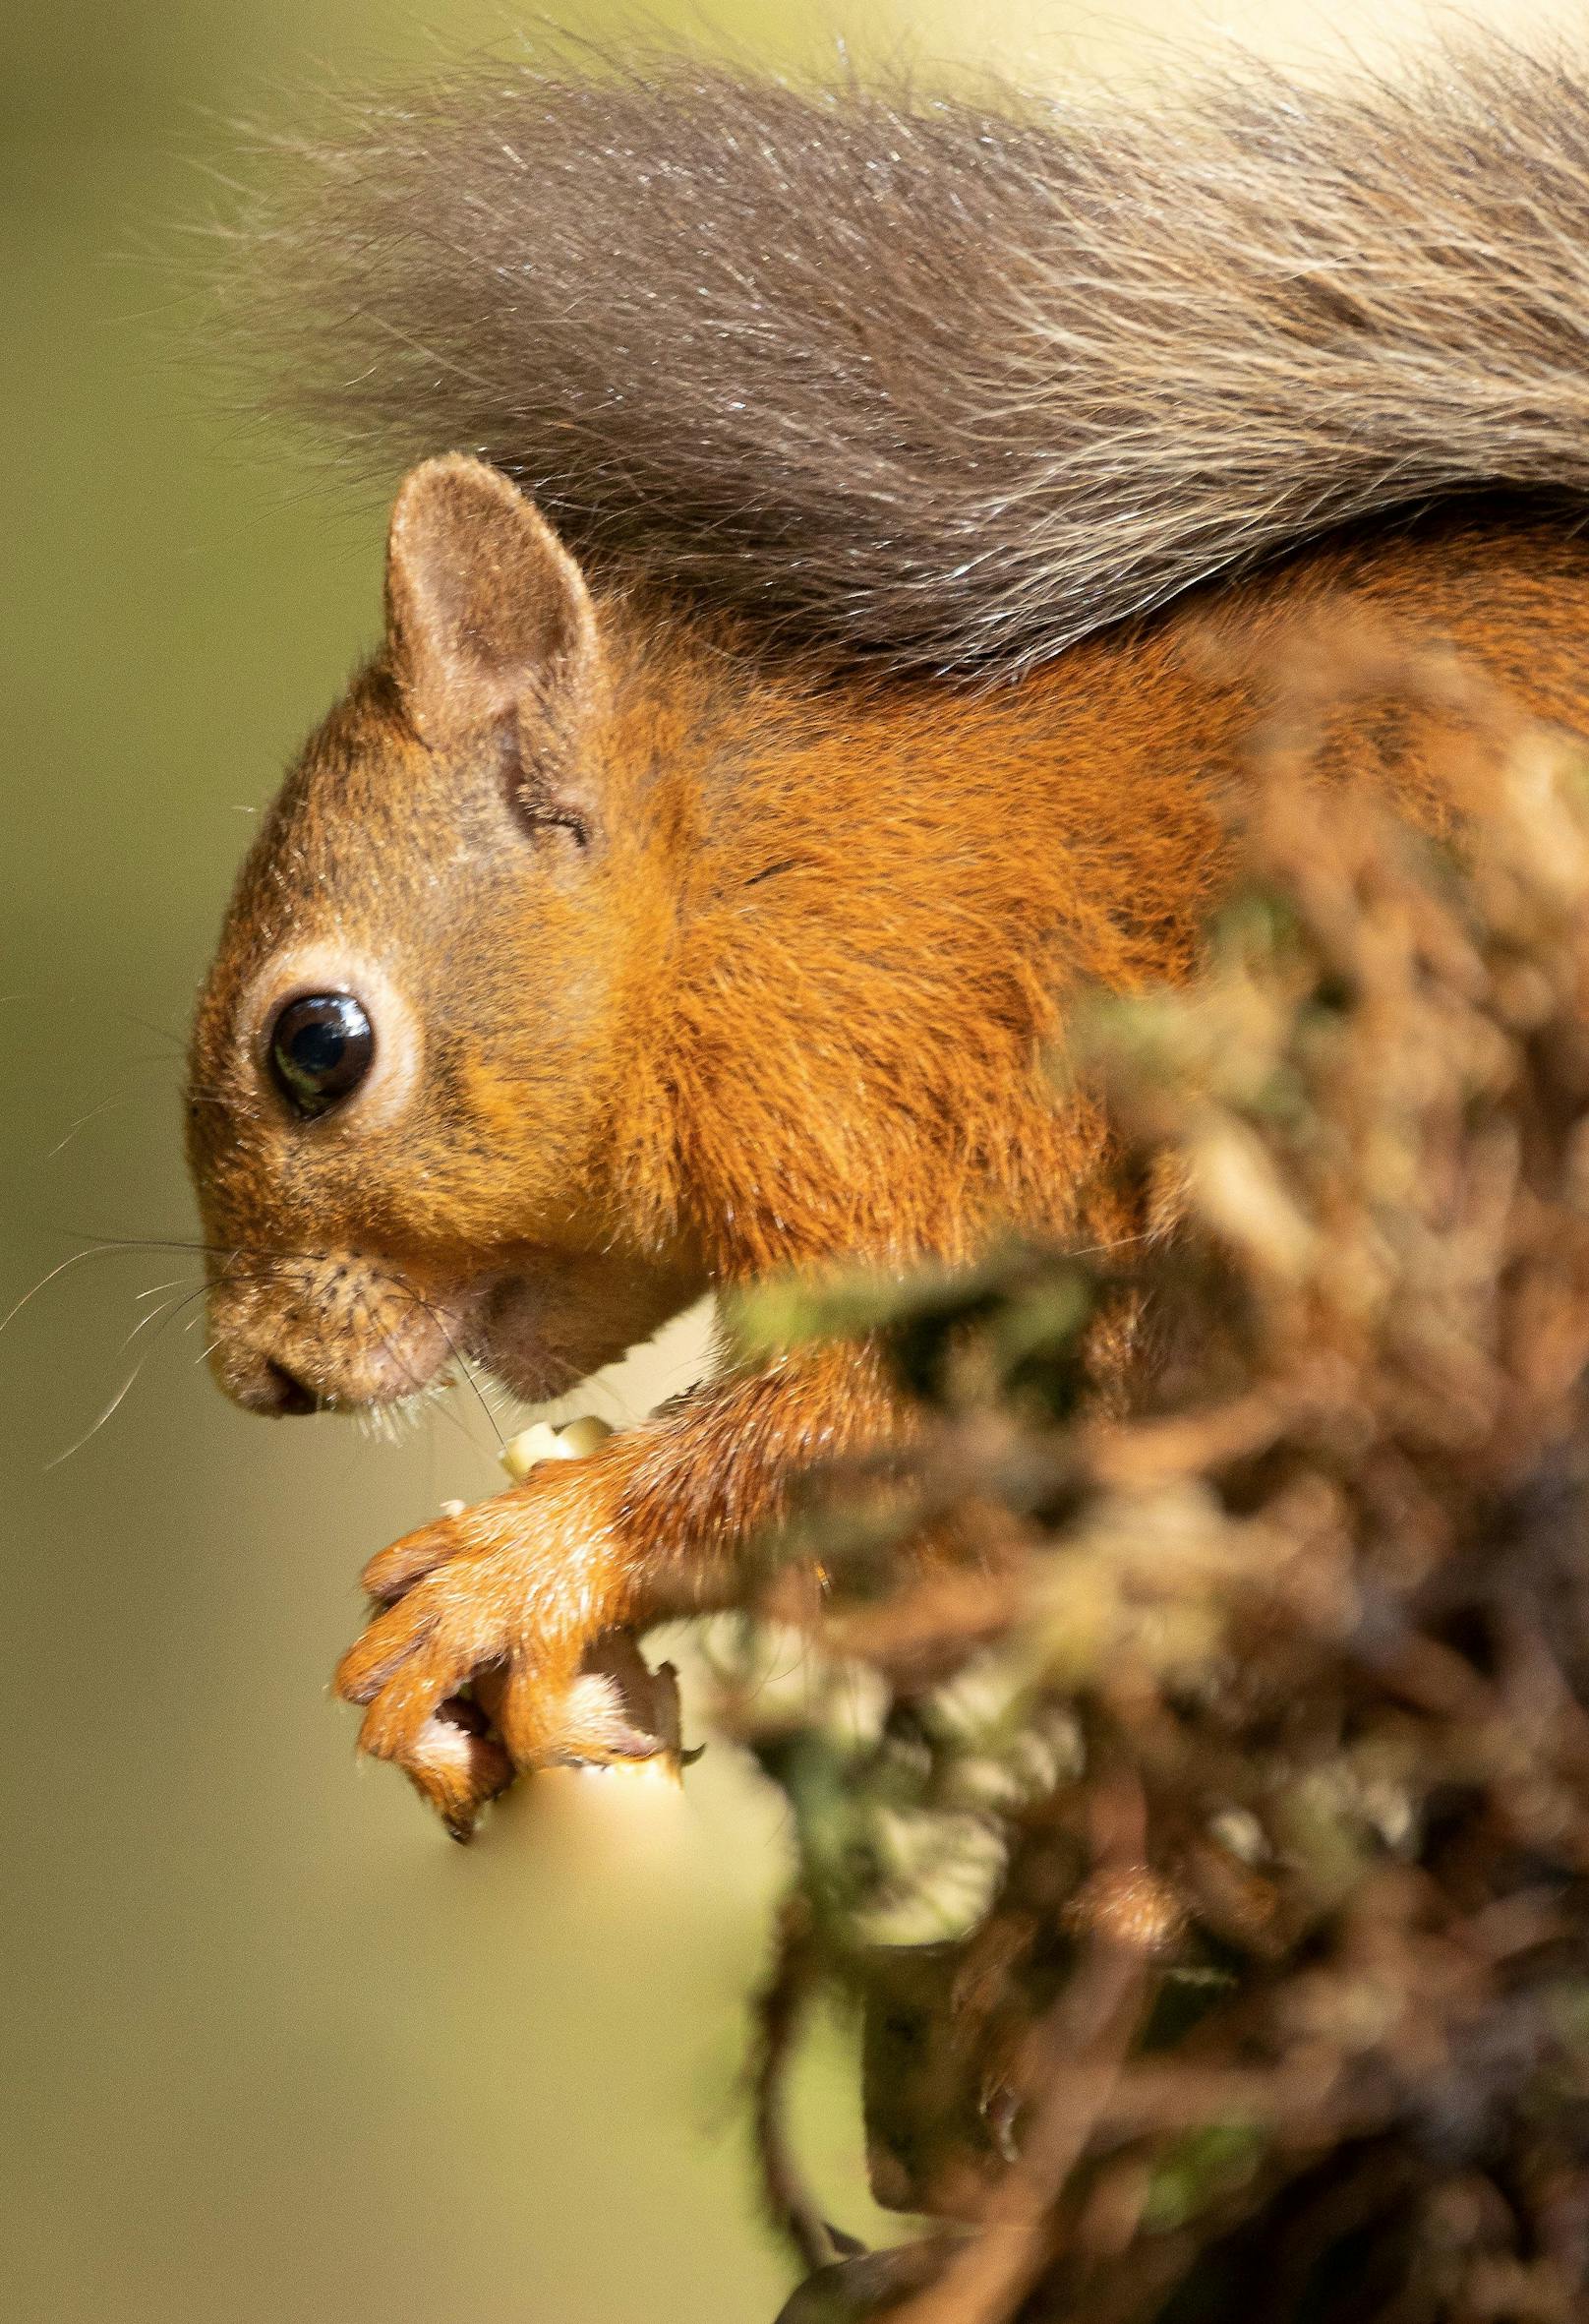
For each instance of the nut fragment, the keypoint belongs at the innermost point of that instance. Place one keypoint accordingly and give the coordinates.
(542, 1442)
(584, 1435)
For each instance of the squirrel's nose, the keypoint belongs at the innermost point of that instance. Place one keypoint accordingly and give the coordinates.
(258, 1380)
(281, 1393)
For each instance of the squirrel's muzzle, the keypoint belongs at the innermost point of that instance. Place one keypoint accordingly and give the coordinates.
(327, 1334)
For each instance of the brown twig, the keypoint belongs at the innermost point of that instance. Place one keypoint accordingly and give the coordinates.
(778, 2012)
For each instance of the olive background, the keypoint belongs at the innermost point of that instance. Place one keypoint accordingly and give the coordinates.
(272, 2047)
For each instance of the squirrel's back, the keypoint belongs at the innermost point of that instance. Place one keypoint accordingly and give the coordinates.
(946, 383)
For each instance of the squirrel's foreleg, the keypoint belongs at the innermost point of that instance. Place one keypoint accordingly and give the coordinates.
(513, 1592)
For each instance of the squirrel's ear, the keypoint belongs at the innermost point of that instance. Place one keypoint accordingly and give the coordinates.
(484, 604)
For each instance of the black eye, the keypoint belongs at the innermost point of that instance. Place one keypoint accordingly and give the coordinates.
(320, 1049)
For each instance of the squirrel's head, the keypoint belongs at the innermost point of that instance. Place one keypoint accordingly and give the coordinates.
(401, 1098)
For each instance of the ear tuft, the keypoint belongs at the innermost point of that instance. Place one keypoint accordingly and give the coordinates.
(484, 604)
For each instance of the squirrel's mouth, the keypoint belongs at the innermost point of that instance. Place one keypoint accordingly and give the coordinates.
(340, 1337)
(348, 1333)
(286, 1377)
(330, 1333)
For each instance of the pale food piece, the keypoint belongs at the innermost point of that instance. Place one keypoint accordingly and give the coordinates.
(542, 1442)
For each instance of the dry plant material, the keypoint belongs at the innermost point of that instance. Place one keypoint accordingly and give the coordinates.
(1207, 1844)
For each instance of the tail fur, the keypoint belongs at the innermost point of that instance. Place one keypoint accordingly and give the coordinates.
(947, 383)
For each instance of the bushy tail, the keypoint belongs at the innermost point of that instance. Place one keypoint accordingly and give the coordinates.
(947, 383)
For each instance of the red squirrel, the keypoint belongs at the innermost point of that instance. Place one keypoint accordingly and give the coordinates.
(695, 882)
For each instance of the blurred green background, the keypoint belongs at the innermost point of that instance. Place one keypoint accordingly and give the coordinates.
(275, 2049)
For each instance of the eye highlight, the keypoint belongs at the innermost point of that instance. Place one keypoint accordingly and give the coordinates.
(320, 1049)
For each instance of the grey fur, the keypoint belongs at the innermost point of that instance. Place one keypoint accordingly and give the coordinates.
(950, 383)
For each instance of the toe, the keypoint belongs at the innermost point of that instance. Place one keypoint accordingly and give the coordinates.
(445, 1653)
(456, 1767)
(372, 1660)
(390, 1576)
(585, 1724)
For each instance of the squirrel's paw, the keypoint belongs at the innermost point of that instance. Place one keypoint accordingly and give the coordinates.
(485, 1657)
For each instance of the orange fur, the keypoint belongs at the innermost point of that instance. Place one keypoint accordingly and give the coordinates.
(792, 1001)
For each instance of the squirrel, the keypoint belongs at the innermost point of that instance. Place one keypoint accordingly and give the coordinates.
(887, 526)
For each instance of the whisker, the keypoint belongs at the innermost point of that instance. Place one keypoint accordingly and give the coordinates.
(142, 1323)
(450, 1412)
(109, 1413)
(1121, 1242)
(483, 1401)
(161, 1032)
(106, 1105)
(177, 1242)
(228, 1253)
(458, 1357)
(122, 1393)
(44, 1281)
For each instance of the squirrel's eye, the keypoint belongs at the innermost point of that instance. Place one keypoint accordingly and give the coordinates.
(320, 1049)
